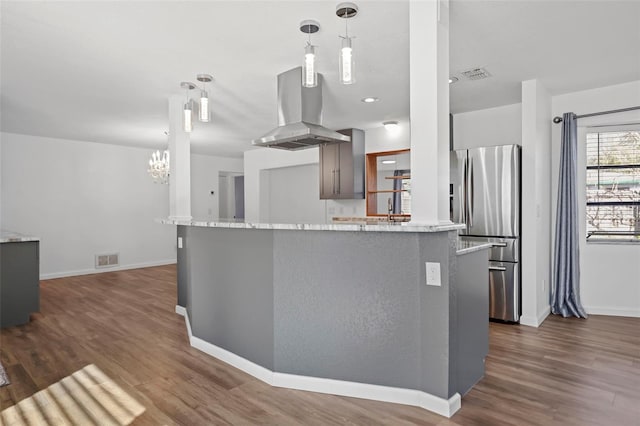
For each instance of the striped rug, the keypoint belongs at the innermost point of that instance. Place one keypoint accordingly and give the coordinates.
(87, 397)
(4, 380)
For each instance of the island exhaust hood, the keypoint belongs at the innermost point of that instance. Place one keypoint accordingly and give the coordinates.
(299, 116)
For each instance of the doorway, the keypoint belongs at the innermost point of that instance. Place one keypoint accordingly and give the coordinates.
(231, 190)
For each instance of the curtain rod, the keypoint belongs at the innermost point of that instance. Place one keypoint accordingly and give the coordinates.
(613, 111)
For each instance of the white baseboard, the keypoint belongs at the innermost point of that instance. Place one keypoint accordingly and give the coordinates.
(413, 397)
(544, 314)
(616, 312)
(103, 270)
(444, 407)
(532, 321)
(234, 360)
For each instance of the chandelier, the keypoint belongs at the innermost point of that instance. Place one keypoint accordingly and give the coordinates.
(159, 167)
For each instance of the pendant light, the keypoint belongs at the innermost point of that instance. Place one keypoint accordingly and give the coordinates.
(309, 74)
(187, 124)
(347, 69)
(204, 98)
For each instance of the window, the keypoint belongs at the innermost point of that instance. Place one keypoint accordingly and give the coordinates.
(613, 186)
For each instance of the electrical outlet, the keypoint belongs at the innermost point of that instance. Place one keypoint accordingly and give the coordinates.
(179, 242)
(433, 274)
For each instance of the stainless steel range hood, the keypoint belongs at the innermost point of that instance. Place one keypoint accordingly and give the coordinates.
(299, 116)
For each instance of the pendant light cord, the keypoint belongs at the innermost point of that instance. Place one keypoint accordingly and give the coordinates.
(346, 23)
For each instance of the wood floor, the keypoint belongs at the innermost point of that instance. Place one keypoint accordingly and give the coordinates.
(567, 372)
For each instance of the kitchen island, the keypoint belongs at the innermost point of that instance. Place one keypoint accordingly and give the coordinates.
(336, 308)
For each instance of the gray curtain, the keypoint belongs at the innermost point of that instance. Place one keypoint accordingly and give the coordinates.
(397, 196)
(565, 295)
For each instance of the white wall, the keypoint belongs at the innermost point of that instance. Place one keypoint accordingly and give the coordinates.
(488, 127)
(610, 273)
(378, 139)
(536, 205)
(259, 162)
(205, 170)
(83, 199)
(290, 197)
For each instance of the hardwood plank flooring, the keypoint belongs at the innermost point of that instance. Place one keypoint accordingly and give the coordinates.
(567, 372)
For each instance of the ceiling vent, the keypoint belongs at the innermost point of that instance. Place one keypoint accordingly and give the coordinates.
(476, 74)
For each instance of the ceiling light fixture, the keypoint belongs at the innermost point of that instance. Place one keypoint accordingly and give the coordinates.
(347, 66)
(453, 79)
(369, 100)
(388, 161)
(309, 74)
(159, 166)
(204, 98)
(187, 124)
(391, 126)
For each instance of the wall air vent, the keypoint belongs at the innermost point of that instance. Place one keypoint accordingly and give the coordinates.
(476, 74)
(107, 260)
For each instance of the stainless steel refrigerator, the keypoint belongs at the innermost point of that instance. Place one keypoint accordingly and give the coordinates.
(486, 197)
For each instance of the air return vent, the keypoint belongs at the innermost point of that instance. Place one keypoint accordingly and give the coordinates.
(476, 74)
(107, 260)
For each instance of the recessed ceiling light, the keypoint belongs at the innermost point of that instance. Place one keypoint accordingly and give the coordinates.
(369, 100)
(453, 79)
(388, 161)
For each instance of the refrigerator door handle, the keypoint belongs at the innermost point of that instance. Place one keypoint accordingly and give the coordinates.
(463, 196)
(497, 268)
(470, 193)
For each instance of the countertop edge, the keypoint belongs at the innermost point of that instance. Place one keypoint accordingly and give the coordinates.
(15, 237)
(358, 227)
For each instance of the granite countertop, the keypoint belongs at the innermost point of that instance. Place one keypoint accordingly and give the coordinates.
(466, 246)
(371, 226)
(372, 219)
(14, 237)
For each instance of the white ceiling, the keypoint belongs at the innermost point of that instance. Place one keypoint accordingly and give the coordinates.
(103, 71)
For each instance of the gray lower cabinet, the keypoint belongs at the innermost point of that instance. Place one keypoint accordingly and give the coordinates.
(472, 300)
(342, 168)
(19, 282)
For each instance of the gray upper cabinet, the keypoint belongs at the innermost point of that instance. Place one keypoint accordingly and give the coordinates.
(342, 168)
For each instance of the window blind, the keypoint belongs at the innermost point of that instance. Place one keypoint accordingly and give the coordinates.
(613, 185)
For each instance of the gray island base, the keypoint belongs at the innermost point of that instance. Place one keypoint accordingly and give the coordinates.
(340, 312)
(19, 278)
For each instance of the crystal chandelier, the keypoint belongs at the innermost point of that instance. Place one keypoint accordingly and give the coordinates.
(159, 167)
